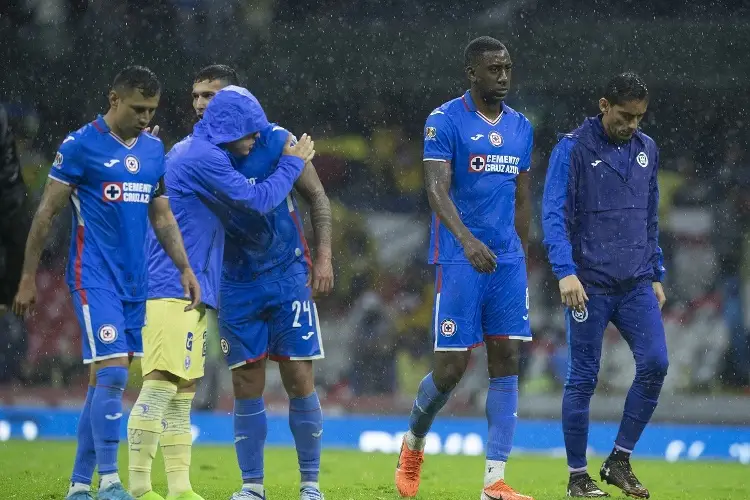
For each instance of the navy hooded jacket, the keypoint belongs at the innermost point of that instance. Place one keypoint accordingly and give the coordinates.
(205, 189)
(600, 210)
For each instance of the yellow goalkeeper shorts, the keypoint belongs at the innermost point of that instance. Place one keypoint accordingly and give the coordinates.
(174, 341)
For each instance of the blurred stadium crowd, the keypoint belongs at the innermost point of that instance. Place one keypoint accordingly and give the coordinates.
(377, 322)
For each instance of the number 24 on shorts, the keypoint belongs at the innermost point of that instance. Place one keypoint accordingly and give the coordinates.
(299, 308)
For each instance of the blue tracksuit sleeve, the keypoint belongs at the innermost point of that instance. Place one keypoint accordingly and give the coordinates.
(557, 209)
(227, 186)
(657, 259)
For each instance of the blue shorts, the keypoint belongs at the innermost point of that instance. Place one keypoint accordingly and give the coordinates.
(470, 305)
(277, 319)
(111, 327)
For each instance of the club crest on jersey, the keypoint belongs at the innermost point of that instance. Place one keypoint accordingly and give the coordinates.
(496, 139)
(430, 133)
(112, 191)
(224, 346)
(448, 327)
(642, 159)
(58, 160)
(107, 334)
(580, 316)
(132, 164)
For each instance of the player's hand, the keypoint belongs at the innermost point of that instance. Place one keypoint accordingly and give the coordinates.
(305, 148)
(572, 293)
(480, 257)
(192, 289)
(155, 132)
(25, 297)
(659, 292)
(322, 275)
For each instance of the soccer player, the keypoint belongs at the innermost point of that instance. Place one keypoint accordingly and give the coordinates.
(477, 153)
(267, 309)
(112, 173)
(203, 188)
(600, 226)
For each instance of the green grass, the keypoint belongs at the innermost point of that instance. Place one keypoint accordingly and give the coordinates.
(40, 470)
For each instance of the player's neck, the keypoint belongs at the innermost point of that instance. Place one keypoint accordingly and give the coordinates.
(109, 119)
(491, 110)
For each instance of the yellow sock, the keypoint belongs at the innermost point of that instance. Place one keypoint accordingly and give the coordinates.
(144, 428)
(177, 443)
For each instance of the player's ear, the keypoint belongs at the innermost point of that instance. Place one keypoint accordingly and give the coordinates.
(604, 106)
(470, 74)
(113, 98)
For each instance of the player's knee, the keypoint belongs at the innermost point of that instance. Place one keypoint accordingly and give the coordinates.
(248, 381)
(298, 378)
(653, 368)
(502, 357)
(581, 385)
(447, 376)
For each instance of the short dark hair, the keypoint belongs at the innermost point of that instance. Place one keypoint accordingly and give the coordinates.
(138, 78)
(479, 46)
(625, 87)
(218, 72)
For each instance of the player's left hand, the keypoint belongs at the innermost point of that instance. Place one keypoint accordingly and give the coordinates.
(659, 292)
(322, 276)
(192, 289)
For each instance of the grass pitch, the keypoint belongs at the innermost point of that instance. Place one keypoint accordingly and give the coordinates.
(40, 471)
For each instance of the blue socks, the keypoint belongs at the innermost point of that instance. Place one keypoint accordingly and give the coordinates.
(306, 423)
(83, 468)
(426, 406)
(502, 414)
(250, 431)
(106, 415)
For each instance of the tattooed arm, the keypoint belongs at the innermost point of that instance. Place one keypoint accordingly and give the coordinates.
(168, 233)
(437, 178)
(55, 197)
(311, 189)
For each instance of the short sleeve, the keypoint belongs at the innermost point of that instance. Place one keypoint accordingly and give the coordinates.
(525, 163)
(439, 137)
(160, 189)
(68, 167)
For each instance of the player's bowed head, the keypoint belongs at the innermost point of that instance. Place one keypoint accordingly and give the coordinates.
(133, 100)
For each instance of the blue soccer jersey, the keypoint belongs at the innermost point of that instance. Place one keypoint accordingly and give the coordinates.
(486, 157)
(113, 184)
(265, 246)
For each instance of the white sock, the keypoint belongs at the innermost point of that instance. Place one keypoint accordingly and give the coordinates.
(255, 488)
(108, 480)
(310, 485)
(415, 443)
(494, 471)
(76, 487)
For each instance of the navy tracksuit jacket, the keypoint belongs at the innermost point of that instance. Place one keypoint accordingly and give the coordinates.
(600, 223)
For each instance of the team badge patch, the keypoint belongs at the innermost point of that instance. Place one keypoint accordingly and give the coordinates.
(580, 316)
(642, 159)
(224, 346)
(448, 327)
(496, 139)
(107, 334)
(58, 160)
(187, 362)
(132, 164)
(430, 133)
(112, 191)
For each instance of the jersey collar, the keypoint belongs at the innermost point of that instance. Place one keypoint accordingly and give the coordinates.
(101, 126)
(471, 107)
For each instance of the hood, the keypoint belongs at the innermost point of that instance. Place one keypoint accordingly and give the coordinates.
(232, 114)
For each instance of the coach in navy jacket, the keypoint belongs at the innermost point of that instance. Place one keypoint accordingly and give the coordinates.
(600, 222)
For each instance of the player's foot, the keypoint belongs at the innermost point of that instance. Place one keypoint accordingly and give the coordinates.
(247, 495)
(619, 473)
(115, 492)
(185, 495)
(150, 495)
(501, 491)
(582, 486)
(310, 493)
(80, 495)
(408, 470)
